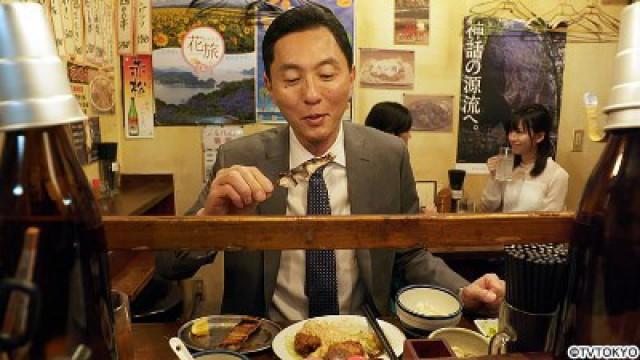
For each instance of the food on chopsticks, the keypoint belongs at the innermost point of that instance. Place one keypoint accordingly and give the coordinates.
(335, 340)
(303, 171)
(200, 327)
(240, 333)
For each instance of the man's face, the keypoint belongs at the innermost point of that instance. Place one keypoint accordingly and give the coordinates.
(311, 84)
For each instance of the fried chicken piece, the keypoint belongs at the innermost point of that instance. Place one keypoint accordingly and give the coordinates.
(305, 344)
(344, 350)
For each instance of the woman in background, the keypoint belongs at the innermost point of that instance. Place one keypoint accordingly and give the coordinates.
(392, 118)
(538, 183)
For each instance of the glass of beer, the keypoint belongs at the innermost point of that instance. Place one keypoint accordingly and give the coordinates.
(504, 167)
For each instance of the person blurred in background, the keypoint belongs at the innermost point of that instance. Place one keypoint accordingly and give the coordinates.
(539, 183)
(390, 117)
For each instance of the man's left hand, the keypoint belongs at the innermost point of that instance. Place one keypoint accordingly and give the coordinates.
(484, 295)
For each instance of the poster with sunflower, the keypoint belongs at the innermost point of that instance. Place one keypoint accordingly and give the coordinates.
(266, 110)
(203, 63)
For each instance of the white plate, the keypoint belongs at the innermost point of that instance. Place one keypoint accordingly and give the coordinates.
(394, 335)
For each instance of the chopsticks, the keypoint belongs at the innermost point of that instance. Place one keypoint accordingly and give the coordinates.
(373, 322)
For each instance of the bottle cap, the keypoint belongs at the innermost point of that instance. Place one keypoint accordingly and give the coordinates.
(34, 89)
(624, 100)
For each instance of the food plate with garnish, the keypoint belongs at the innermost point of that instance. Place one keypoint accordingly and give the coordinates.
(240, 333)
(346, 335)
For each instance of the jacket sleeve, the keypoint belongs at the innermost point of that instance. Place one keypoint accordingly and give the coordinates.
(183, 264)
(418, 265)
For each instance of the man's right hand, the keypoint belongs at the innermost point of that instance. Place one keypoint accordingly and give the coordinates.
(237, 190)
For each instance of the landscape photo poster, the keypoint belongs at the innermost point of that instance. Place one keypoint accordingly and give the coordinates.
(411, 22)
(504, 67)
(203, 63)
(266, 110)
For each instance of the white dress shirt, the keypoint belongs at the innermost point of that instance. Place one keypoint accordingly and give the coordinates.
(289, 301)
(545, 192)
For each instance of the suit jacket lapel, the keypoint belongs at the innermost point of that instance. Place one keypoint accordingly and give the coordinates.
(358, 169)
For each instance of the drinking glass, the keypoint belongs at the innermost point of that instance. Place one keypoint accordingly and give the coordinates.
(122, 325)
(466, 205)
(504, 167)
(522, 331)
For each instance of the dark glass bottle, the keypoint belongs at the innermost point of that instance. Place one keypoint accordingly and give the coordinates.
(602, 306)
(43, 186)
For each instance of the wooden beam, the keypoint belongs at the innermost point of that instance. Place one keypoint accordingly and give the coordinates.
(338, 232)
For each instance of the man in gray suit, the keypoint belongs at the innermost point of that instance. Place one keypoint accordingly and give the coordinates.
(309, 73)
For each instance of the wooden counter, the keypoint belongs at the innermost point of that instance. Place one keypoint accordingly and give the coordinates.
(144, 195)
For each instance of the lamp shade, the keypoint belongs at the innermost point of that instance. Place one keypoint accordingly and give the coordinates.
(624, 100)
(34, 89)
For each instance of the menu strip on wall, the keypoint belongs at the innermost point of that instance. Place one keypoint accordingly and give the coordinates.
(58, 30)
(143, 27)
(77, 25)
(125, 23)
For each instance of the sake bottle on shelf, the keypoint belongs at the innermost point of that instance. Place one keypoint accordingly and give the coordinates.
(602, 305)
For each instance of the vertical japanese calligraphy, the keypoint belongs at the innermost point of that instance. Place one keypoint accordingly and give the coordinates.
(125, 26)
(143, 27)
(136, 96)
(58, 30)
(504, 67)
(77, 28)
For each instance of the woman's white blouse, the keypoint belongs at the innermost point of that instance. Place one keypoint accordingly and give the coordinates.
(545, 192)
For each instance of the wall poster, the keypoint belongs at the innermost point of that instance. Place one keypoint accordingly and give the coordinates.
(386, 69)
(504, 67)
(266, 110)
(411, 22)
(203, 63)
(430, 112)
(137, 96)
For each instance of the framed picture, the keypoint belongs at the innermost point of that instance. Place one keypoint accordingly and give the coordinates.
(426, 192)
(429, 112)
(386, 69)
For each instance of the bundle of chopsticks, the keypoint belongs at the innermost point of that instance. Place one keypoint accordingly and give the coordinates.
(536, 276)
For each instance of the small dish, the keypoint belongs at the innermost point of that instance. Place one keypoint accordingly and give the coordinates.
(220, 326)
(426, 307)
(463, 342)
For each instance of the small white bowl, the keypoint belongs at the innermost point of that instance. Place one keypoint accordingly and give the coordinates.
(427, 307)
(463, 342)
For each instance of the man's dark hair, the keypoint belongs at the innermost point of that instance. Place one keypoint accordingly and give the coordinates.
(302, 18)
(534, 119)
(389, 117)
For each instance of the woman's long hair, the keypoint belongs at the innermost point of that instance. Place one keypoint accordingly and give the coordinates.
(534, 119)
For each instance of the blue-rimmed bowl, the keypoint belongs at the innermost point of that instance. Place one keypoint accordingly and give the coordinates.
(427, 307)
(219, 355)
